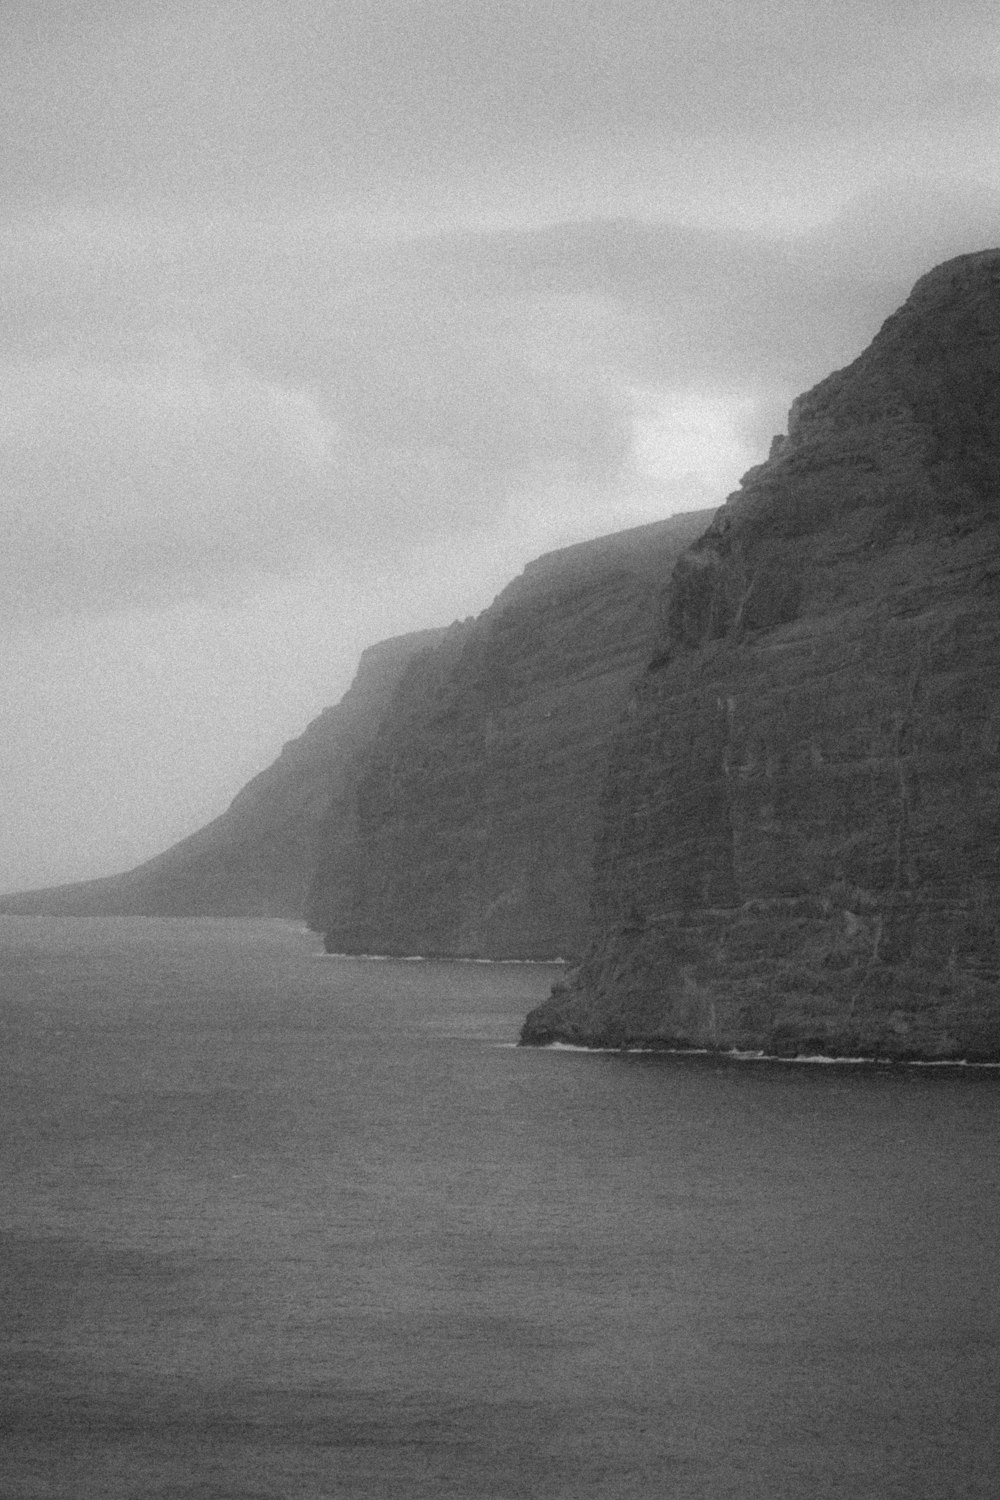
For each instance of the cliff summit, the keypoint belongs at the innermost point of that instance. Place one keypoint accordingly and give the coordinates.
(798, 849)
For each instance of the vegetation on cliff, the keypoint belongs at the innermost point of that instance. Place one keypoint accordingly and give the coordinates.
(799, 841)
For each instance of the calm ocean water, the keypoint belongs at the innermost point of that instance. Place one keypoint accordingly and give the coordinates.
(280, 1225)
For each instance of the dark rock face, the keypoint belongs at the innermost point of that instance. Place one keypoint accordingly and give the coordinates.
(257, 859)
(472, 829)
(799, 845)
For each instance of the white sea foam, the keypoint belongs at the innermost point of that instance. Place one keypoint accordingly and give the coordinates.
(805, 1059)
(958, 1062)
(668, 1051)
(380, 958)
(361, 958)
(573, 1047)
(423, 958)
(816, 1059)
(530, 962)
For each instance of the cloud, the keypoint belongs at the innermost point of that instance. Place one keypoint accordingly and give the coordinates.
(229, 103)
(191, 403)
(136, 483)
(902, 228)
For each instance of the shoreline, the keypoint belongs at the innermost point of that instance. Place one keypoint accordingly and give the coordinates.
(739, 1055)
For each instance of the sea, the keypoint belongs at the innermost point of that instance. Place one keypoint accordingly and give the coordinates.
(280, 1226)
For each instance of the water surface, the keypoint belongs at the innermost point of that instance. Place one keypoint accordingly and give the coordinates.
(279, 1225)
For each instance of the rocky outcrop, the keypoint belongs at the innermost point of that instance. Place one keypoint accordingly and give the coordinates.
(471, 832)
(258, 857)
(799, 840)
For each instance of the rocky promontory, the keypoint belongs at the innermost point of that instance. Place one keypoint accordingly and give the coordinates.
(798, 847)
(471, 832)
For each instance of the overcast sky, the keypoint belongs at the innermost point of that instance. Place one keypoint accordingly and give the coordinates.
(322, 317)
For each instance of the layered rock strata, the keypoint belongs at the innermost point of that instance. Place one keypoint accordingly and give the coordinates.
(471, 833)
(258, 857)
(799, 838)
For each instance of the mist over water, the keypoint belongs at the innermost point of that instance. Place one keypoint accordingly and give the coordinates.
(280, 1225)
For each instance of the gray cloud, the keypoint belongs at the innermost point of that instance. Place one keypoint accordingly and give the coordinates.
(127, 103)
(185, 405)
(135, 483)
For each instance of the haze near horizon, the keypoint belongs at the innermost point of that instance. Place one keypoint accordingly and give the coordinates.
(322, 322)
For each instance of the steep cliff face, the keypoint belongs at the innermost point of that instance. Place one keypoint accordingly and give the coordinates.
(799, 845)
(472, 829)
(258, 857)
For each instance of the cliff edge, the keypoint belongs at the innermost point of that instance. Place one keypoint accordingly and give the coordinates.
(472, 829)
(798, 846)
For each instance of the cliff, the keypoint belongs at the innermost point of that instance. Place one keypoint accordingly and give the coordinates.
(799, 836)
(471, 832)
(258, 857)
